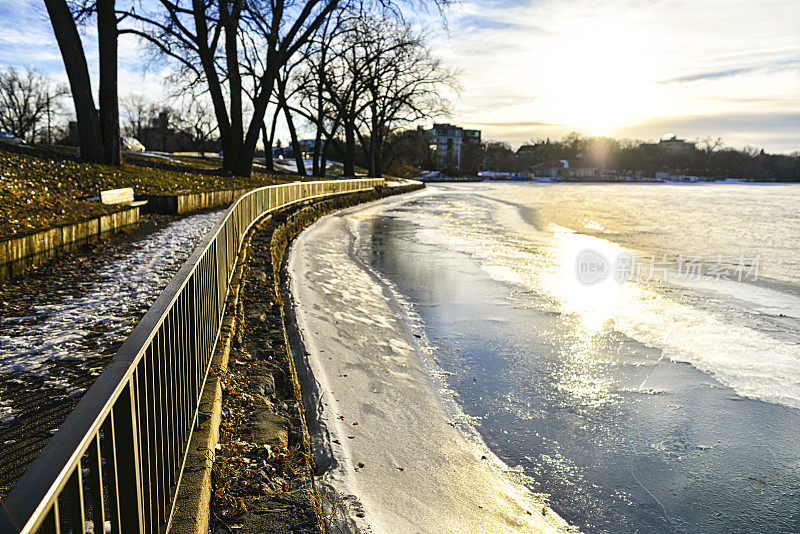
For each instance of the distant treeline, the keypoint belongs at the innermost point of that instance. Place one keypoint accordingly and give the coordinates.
(705, 157)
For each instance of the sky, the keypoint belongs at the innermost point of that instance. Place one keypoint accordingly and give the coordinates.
(531, 69)
(629, 68)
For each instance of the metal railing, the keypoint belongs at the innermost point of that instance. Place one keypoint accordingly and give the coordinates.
(118, 457)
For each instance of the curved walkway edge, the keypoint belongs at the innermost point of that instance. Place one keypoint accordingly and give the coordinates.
(198, 487)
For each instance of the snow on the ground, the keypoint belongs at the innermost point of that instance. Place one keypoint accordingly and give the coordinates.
(57, 331)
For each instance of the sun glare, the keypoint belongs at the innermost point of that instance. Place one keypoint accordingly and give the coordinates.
(605, 81)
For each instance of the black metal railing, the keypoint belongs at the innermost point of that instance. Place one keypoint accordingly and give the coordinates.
(118, 457)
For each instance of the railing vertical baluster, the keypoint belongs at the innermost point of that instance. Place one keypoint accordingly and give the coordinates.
(193, 337)
(169, 397)
(52, 522)
(165, 461)
(74, 493)
(95, 461)
(177, 390)
(143, 400)
(153, 450)
(186, 383)
(202, 304)
(127, 460)
(111, 472)
(221, 276)
(214, 283)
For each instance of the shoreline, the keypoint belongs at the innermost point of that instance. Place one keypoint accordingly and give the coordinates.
(396, 456)
(262, 476)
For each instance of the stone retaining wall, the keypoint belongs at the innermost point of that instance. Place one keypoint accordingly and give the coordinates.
(180, 204)
(21, 253)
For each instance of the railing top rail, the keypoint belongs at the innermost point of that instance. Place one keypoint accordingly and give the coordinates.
(47, 476)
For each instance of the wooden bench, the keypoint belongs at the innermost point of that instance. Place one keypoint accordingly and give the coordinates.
(120, 196)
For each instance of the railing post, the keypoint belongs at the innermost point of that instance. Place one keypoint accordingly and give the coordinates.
(126, 459)
(96, 485)
(74, 492)
(52, 523)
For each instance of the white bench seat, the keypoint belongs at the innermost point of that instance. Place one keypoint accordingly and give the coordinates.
(120, 196)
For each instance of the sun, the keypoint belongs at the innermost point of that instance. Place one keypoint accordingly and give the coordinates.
(605, 81)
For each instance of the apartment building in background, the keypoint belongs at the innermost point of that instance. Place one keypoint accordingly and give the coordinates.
(453, 146)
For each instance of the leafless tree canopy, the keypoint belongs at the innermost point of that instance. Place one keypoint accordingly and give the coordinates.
(27, 100)
(373, 75)
(136, 113)
(196, 120)
(237, 51)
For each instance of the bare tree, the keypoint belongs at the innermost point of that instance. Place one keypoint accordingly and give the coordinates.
(404, 82)
(197, 121)
(375, 76)
(310, 87)
(207, 39)
(342, 82)
(210, 38)
(136, 113)
(710, 144)
(27, 98)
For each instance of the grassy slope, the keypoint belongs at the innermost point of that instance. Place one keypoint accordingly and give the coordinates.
(41, 187)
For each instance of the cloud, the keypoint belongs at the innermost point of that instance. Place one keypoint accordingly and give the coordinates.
(772, 65)
(517, 124)
(767, 121)
(547, 67)
(708, 75)
(481, 23)
(537, 68)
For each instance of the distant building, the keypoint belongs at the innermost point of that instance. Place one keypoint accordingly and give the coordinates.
(451, 144)
(582, 173)
(306, 147)
(551, 169)
(670, 144)
(526, 150)
(561, 168)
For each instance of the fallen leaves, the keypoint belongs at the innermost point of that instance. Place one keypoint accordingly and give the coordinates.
(46, 186)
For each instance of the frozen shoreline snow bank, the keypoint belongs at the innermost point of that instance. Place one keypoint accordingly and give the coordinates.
(398, 459)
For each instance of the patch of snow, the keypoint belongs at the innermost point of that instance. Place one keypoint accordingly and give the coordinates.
(58, 331)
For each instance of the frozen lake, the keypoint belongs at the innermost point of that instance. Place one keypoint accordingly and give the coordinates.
(631, 349)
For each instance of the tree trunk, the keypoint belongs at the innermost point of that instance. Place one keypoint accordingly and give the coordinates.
(267, 149)
(349, 163)
(323, 159)
(296, 148)
(244, 165)
(378, 147)
(372, 162)
(109, 102)
(319, 170)
(212, 78)
(269, 142)
(234, 148)
(69, 42)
